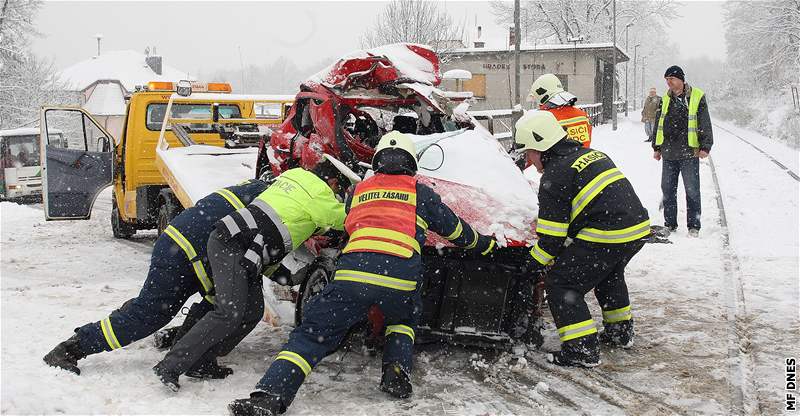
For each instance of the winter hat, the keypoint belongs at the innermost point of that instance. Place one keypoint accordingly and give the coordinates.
(675, 71)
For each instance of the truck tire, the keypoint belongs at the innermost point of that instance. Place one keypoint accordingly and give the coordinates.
(119, 227)
(319, 274)
(168, 209)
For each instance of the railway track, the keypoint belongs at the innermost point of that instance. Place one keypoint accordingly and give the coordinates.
(758, 149)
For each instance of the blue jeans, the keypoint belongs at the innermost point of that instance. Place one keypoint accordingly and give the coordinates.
(648, 128)
(689, 169)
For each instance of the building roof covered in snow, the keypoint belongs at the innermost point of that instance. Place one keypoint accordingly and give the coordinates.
(107, 99)
(128, 67)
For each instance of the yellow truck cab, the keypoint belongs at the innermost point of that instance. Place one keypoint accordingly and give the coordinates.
(128, 162)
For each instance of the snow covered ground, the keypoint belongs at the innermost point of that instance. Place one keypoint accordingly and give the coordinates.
(715, 316)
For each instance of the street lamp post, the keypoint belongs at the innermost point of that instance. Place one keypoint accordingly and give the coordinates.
(635, 48)
(644, 62)
(627, 98)
(613, 64)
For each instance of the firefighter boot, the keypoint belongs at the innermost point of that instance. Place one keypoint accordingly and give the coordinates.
(167, 377)
(206, 369)
(619, 334)
(66, 355)
(580, 352)
(259, 403)
(395, 381)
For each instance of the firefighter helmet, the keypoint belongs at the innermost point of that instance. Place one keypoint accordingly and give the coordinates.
(545, 87)
(538, 130)
(395, 154)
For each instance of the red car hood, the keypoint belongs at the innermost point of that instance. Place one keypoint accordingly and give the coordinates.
(388, 64)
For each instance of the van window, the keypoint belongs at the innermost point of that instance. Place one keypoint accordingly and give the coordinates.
(20, 151)
(155, 114)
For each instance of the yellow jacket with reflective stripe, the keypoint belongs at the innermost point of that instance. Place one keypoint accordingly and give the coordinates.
(583, 195)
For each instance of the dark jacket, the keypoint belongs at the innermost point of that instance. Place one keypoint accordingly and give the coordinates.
(566, 188)
(676, 128)
(197, 222)
(650, 107)
(439, 219)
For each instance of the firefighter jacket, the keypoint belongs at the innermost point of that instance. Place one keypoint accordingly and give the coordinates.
(297, 205)
(387, 221)
(582, 195)
(684, 125)
(191, 228)
(575, 121)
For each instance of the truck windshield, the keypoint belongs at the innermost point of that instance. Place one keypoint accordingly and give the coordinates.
(20, 151)
(156, 111)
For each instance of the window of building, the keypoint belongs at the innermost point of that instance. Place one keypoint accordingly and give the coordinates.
(477, 85)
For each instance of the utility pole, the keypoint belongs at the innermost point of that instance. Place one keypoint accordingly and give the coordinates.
(613, 64)
(635, 49)
(644, 62)
(98, 36)
(516, 52)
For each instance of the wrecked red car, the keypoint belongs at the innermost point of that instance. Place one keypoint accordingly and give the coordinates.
(345, 109)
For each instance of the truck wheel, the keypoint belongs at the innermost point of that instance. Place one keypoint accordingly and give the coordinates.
(319, 274)
(167, 211)
(119, 227)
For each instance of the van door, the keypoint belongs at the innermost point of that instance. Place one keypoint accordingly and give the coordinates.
(73, 176)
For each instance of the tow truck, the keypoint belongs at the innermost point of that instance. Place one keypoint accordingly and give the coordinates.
(142, 198)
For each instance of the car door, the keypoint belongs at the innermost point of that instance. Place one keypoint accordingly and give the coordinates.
(73, 176)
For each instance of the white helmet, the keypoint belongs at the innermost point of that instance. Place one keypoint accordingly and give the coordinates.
(538, 130)
(395, 153)
(545, 87)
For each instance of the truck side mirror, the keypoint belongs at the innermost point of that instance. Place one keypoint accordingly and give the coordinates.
(184, 88)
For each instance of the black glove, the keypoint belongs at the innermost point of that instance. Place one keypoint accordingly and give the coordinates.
(532, 267)
(486, 245)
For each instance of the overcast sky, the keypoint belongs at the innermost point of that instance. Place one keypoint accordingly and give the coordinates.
(205, 36)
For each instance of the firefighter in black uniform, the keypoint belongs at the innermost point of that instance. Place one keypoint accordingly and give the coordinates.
(388, 217)
(179, 268)
(583, 196)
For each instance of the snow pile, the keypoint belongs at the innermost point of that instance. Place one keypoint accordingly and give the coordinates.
(772, 116)
(410, 64)
(107, 99)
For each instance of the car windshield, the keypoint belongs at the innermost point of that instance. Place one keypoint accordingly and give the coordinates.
(156, 111)
(20, 151)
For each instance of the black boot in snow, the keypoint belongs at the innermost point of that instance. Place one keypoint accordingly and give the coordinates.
(167, 378)
(66, 355)
(581, 352)
(209, 369)
(619, 334)
(395, 381)
(258, 404)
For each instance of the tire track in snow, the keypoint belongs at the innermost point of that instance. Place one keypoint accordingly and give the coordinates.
(780, 165)
(744, 394)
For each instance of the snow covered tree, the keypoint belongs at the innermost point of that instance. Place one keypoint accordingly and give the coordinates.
(26, 82)
(414, 21)
(763, 43)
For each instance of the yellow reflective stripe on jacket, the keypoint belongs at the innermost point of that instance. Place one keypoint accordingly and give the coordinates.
(456, 233)
(375, 279)
(367, 232)
(400, 329)
(378, 246)
(540, 255)
(617, 315)
(108, 334)
(231, 198)
(191, 254)
(295, 359)
(474, 241)
(624, 235)
(422, 223)
(547, 227)
(488, 249)
(573, 120)
(581, 329)
(592, 189)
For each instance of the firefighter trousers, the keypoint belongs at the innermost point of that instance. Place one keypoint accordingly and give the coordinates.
(584, 266)
(326, 321)
(238, 308)
(170, 282)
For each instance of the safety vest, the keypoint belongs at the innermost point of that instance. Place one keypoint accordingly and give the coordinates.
(575, 122)
(191, 254)
(694, 103)
(383, 216)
